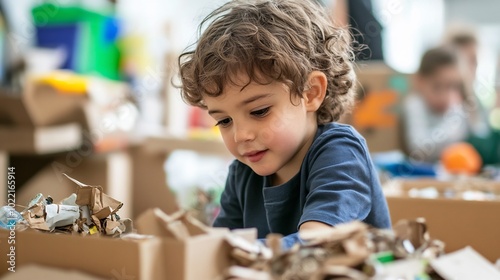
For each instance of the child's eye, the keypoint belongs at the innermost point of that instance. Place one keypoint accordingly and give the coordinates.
(261, 113)
(224, 123)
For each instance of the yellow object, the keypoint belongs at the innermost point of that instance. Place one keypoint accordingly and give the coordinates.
(93, 230)
(65, 82)
(461, 158)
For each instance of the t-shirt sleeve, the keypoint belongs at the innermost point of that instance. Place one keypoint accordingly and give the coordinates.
(230, 214)
(339, 181)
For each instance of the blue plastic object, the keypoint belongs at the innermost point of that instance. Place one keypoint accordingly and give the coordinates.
(60, 36)
(407, 169)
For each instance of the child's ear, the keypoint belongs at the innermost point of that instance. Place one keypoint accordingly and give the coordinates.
(315, 91)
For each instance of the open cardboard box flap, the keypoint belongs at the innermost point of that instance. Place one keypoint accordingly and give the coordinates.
(155, 222)
(192, 250)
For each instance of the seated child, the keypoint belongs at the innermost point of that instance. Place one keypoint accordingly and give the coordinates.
(276, 75)
(434, 115)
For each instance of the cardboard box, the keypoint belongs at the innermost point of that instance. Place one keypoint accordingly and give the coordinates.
(46, 106)
(43, 272)
(457, 222)
(199, 255)
(40, 140)
(100, 256)
(150, 182)
(20, 135)
(12, 110)
(375, 115)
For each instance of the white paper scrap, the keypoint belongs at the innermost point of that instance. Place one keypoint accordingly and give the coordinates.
(465, 264)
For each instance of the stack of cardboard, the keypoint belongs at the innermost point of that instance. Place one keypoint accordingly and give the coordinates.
(53, 110)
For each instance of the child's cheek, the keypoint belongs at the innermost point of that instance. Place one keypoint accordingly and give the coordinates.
(277, 138)
(273, 128)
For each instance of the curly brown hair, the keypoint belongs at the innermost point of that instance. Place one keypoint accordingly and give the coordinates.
(272, 40)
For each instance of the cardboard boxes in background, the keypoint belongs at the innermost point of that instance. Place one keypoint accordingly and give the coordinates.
(62, 112)
(102, 108)
(455, 221)
(19, 134)
(375, 115)
(48, 106)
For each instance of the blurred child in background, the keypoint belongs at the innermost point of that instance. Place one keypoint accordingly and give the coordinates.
(433, 113)
(484, 138)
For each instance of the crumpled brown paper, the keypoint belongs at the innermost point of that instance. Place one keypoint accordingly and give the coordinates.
(347, 251)
(35, 217)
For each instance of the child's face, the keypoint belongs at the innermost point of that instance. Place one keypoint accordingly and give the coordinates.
(262, 128)
(442, 89)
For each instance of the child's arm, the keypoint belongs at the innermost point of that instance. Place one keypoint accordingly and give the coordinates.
(230, 214)
(313, 225)
(342, 183)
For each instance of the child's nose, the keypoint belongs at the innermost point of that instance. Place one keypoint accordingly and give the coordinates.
(243, 134)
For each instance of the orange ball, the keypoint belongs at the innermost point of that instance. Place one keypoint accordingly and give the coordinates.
(461, 158)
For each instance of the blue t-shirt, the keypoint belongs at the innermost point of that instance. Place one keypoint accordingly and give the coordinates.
(337, 183)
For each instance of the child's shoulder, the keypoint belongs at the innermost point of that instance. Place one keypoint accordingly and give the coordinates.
(335, 130)
(335, 136)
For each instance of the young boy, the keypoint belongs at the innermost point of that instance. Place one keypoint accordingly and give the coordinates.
(275, 75)
(434, 114)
